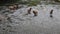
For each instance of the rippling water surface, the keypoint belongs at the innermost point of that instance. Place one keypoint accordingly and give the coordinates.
(28, 24)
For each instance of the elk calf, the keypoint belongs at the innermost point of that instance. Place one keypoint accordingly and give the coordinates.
(29, 11)
(51, 12)
(35, 13)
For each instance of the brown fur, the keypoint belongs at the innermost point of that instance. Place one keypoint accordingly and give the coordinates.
(29, 11)
(35, 13)
(51, 12)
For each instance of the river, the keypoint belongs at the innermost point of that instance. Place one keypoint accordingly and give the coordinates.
(28, 24)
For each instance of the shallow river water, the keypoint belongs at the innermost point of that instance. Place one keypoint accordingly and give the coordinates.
(28, 24)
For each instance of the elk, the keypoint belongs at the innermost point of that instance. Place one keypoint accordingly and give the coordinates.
(35, 13)
(51, 12)
(29, 10)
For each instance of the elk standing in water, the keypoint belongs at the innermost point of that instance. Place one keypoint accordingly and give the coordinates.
(35, 13)
(51, 12)
(29, 11)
